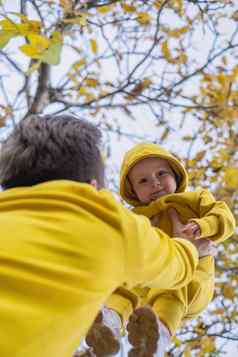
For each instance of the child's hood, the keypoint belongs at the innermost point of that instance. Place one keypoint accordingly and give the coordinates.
(140, 152)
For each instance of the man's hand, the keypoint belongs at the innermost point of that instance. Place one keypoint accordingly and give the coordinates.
(189, 232)
(154, 220)
(205, 247)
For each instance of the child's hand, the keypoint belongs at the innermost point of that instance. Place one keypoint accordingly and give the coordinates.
(191, 230)
(204, 246)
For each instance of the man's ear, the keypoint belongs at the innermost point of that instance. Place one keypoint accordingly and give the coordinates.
(94, 183)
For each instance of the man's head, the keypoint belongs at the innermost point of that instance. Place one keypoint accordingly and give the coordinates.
(152, 178)
(49, 148)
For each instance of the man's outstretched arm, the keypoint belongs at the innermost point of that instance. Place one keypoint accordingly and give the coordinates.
(153, 259)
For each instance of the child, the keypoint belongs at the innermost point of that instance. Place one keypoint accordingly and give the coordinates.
(154, 182)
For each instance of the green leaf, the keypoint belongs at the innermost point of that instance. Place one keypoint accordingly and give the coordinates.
(52, 54)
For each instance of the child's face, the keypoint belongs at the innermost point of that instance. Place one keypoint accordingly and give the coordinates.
(152, 178)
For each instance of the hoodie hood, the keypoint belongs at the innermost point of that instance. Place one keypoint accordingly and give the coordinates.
(140, 152)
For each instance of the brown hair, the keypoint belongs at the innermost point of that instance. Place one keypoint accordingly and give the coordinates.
(49, 148)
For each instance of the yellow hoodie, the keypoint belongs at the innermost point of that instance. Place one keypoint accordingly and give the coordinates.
(215, 221)
(64, 248)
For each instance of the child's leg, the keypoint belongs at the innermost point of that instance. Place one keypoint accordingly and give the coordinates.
(104, 335)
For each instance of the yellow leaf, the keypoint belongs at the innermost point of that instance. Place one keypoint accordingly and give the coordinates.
(208, 344)
(78, 20)
(56, 37)
(104, 9)
(94, 46)
(218, 311)
(180, 59)
(165, 134)
(229, 292)
(139, 88)
(178, 32)
(176, 341)
(67, 5)
(40, 42)
(78, 64)
(178, 6)
(42, 48)
(128, 8)
(143, 18)
(30, 51)
(231, 177)
(8, 26)
(25, 28)
(146, 83)
(29, 26)
(37, 45)
(187, 138)
(200, 155)
(5, 37)
(83, 90)
(91, 82)
(224, 154)
(165, 51)
(158, 4)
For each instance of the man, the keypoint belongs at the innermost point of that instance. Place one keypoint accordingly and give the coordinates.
(66, 243)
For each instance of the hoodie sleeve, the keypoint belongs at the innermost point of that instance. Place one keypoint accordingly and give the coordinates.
(216, 220)
(123, 301)
(153, 259)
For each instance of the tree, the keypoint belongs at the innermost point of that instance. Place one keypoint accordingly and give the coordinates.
(172, 63)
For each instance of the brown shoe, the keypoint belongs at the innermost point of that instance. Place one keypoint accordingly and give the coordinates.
(101, 339)
(143, 332)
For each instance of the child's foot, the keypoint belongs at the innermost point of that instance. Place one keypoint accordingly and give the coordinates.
(143, 333)
(103, 336)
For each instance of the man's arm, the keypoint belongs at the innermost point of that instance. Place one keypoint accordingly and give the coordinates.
(152, 258)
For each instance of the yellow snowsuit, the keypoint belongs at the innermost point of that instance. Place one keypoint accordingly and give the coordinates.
(215, 221)
(64, 249)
